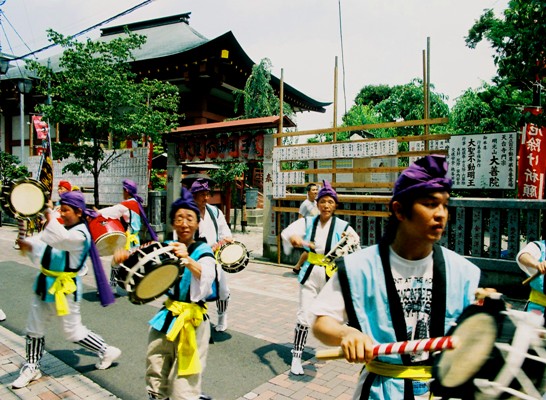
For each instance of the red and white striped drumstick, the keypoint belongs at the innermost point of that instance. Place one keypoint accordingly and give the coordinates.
(407, 347)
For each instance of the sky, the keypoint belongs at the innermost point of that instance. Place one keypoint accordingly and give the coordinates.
(375, 41)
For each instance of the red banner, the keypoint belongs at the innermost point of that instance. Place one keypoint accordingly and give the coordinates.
(532, 163)
(45, 174)
(41, 127)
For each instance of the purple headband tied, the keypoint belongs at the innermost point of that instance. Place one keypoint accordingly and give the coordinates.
(131, 188)
(77, 200)
(200, 185)
(424, 175)
(327, 190)
(185, 201)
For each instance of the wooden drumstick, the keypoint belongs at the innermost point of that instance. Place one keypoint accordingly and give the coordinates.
(406, 347)
(531, 278)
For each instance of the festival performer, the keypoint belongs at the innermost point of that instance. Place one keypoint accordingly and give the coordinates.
(318, 235)
(532, 259)
(61, 252)
(307, 209)
(215, 230)
(132, 215)
(179, 336)
(63, 187)
(405, 288)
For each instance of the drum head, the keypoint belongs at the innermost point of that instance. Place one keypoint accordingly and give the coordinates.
(232, 253)
(27, 198)
(477, 336)
(108, 243)
(155, 284)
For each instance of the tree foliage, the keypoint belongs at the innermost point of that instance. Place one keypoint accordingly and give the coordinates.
(11, 169)
(257, 99)
(490, 108)
(383, 103)
(518, 41)
(95, 94)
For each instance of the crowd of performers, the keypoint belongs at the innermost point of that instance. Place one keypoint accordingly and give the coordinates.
(407, 287)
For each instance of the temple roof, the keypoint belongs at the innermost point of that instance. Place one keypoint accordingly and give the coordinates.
(172, 36)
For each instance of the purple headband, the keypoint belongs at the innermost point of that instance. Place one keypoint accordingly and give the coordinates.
(131, 188)
(77, 200)
(327, 190)
(424, 175)
(185, 201)
(200, 185)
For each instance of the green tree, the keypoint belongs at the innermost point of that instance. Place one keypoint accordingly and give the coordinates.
(518, 41)
(257, 99)
(382, 103)
(95, 94)
(490, 108)
(11, 169)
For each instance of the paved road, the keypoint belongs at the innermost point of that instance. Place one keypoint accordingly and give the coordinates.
(249, 361)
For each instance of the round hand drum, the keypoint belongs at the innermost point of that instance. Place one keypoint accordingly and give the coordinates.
(108, 235)
(149, 272)
(25, 198)
(232, 257)
(501, 353)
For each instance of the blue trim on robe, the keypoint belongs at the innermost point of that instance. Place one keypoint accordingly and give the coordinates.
(57, 262)
(369, 297)
(180, 291)
(340, 227)
(538, 284)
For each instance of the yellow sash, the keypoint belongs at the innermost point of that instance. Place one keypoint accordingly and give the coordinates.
(63, 285)
(415, 372)
(537, 297)
(132, 239)
(319, 259)
(189, 316)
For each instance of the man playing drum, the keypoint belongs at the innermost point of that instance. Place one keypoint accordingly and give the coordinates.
(132, 215)
(307, 209)
(405, 288)
(215, 230)
(61, 251)
(179, 336)
(323, 231)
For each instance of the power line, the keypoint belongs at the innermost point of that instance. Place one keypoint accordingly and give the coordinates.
(128, 11)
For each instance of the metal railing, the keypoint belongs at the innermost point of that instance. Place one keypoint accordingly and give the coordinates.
(489, 232)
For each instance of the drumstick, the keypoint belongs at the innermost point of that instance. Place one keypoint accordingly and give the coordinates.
(531, 278)
(406, 347)
(22, 234)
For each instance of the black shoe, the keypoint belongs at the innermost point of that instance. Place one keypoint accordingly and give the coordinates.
(296, 271)
(204, 397)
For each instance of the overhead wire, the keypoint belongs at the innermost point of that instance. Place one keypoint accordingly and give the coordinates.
(128, 11)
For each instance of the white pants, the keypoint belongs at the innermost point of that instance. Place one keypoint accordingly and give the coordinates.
(223, 289)
(308, 291)
(41, 313)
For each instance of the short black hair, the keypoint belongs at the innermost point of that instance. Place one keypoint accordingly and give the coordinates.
(309, 187)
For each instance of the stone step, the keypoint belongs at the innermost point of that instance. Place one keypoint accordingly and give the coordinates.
(254, 217)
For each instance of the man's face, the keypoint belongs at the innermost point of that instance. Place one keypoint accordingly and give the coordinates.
(201, 198)
(428, 218)
(61, 190)
(313, 192)
(185, 223)
(326, 206)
